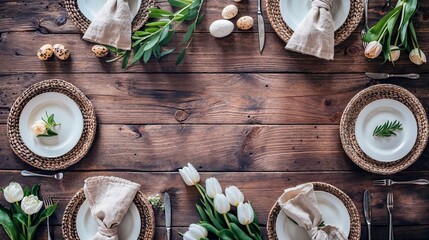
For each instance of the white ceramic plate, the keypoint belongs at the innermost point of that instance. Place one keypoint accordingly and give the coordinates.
(386, 149)
(129, 229)
(66, 112)
(90, 8)
(294, 11)
(333, 212)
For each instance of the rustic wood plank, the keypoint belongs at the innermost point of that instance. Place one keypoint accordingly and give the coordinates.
(236, 53)
(262, 189)
(51, 16)
(214, 147)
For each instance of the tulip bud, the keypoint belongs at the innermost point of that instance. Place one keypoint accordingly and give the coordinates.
(245, 213)
(13, 192)
(213, 187)
(39, 127)
(234, 195)
(189, 175)
(31, 204)
(373, 49)
(394, 53)
(417, 56)
(195, 232)
(221, 204)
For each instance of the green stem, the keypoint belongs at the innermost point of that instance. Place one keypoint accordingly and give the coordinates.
(226, 220)
(28, 227)
(197, 185)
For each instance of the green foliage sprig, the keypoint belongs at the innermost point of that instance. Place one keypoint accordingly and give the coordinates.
(158, 32)
(387, 129)
(50, 124)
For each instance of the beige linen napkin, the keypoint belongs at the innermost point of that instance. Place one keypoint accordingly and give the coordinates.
(315, 34)
(112, 25)
(109, 199)
(300, 204)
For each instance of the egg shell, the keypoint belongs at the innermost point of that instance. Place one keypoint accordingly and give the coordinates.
(100, 51)
(221, 28)
(45, 52)
(245, 23)
(229, 12)
(61, 52)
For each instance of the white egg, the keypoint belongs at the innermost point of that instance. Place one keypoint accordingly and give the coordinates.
(221, 28)
(229, 12)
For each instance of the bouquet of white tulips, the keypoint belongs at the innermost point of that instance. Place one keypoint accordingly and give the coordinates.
(21, 220)
(379, 37)
(217, 218)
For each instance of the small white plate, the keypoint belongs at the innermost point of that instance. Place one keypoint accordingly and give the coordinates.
(386, 149)
(294, 11)
(66, 112)
(333, 213)
(129, 228)
(90, 8)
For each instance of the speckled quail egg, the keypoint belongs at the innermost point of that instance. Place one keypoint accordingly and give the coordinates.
(221, 28)
(229, 12)
(100, 51)
(245, 23)
(45, 52)
(61, 52)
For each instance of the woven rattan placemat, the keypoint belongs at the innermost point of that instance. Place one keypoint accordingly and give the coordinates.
(147, 230)
(81, 148)
(284, 32)
(355, 106)
(83, 23)
(354, 233)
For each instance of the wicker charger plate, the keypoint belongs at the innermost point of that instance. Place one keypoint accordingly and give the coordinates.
(354, 233)
(285, 32)
(81, 148)
(83, 23)
(348, 121)
(147, 217)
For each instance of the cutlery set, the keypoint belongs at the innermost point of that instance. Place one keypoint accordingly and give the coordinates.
(389, 201)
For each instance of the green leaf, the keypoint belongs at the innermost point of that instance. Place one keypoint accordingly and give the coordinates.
(378, 29)
(147, 54)
(166, 40)
(387, 129)
(239, 233)
(160, 11)
(50, 133)
(203, 215)
(27, 191)
(209, 227)
(408, 12)
(188, 34)
(156, 24)
(152, 29)
(233, 218)
(226, 234)
(178, 3)
(21, 218)
(156, 15)
(138, 54)
(166, 52)
(35, 190)
(181, 56)
(46, 213)
(141, 33)
(7, 224)
(125, 60)
(152, 41)
(200, 18)
(164, 34)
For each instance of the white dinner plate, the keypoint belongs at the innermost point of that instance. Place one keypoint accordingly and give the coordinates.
(294, 11)
(386, 149)
(129, 228)
(90, 8)
(66, 112)
(333, 213)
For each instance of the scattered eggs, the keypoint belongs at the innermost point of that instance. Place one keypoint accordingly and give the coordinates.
(45, 52)
(245, 23)
(229, 12)
(221, 28)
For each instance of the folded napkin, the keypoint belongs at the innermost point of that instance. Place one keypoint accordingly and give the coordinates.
(109, 199)
(315, 34)
(300, 204)
(112, 25)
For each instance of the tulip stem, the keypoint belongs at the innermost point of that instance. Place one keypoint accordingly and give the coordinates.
(28, 226)
(199, 190)
(248, 230)
(226, 220)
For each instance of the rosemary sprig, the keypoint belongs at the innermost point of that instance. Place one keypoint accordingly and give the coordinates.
(158, 32)
(387, 129)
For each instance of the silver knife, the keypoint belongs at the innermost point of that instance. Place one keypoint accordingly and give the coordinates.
(167, 205)
(367, 211)
(261, 28)
(386, 75)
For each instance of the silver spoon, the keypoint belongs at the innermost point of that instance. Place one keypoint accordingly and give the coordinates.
(57, 176)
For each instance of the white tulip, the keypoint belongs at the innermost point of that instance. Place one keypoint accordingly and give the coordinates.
(213, 187)
(245, 213)
(31, 204)
(39, 127)
(417, 56)
(394, 53)
(221, 204)
(189, 236)
(234, 195)
(13, 192)
(197, 231)
(373, 49)
(189, 175)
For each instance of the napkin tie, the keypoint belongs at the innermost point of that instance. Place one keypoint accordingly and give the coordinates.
(300, 204)
(112, 25)
(109, 199)
(315, 34)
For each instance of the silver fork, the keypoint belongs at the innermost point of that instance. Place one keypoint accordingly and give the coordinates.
(47, 201)
(389, 204)
(390, 182)
(365, 26)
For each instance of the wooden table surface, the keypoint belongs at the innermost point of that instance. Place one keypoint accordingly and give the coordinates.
(260, 122)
